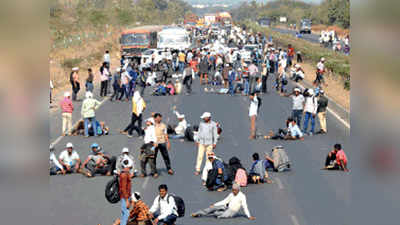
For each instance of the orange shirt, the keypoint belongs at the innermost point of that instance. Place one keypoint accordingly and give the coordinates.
(341, 156)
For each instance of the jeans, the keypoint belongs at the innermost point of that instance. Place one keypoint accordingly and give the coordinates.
(177, 136)
(231, 90)
(264, 84)
(132, 126)
(297, 114)
(169, 220)
(143, 164)
(307, 117)
(93, 121)
(246, 87)
(164, 152)
(187, 81)
(89, 87)
(181, 66)
(124, 212)
(103, 88)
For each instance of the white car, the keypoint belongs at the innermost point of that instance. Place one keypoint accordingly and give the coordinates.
(157, 54)
(247, 50)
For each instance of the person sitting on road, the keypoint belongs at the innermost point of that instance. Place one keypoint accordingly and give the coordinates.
(139, 213)
(258, 171)
(69, 159)
(336, 159)
(178, 132)
(160, 90)
(55, 167)
(229, 207)
(292, 132)
(125, 155)
(297, 73)
(98, 162)
(170, 88)
(164, 208)
(216, 177)
(101, 127)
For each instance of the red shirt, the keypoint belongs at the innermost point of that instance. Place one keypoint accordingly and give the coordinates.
(291, 51)
(194, 64)
(125, 185)
(66, 105)
(341, 156)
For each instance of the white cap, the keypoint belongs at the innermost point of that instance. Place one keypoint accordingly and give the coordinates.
(89, 94)
(75, 69)
(133, 196)
(67, 94)
(227, 64)
(118, 69)
(322, 59)
(321, 91)
(297, 66)
(151, 119)
(297, 89)
(181, 116)
(311, 91)
(205, 115)
(69, 145)
(125, 150)
(236, 186)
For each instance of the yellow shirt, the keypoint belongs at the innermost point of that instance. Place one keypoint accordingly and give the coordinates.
(181, 57)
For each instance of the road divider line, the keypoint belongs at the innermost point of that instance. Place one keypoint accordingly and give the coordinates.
(333, 113)
(294, 219)
(58, 139)
(279, 182)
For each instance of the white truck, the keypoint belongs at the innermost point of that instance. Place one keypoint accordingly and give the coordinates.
(175, 38)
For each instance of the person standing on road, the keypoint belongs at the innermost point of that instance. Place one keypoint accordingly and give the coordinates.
(253, 111)
(107, 59)
(206, 139)
(117, 86)
(322, 106)
(320, 73)
(74, 80)
(104, 75)
(125, 194)
(310, 109)
(229, 207)
(89, 106)
(163, 144)
(181, 58)
(188, 75)
(89, 81)
(264, 78)
(297, 105)
(290, 53)
(253, 70)
(66, 111)
(138, 106)
(203, 66)
(165, 205)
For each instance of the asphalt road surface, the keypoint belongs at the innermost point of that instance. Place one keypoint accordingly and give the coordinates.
(304, 196)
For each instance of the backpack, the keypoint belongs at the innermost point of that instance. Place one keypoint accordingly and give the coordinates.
(211, 177)
(180, 204)
(112, 191)
(241, 177)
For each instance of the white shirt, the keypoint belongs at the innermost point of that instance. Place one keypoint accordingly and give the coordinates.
(235, 203)
(53, 159)
(150, 135)
(182, 125)
(253, 107)
(298, 102)
(295, 130)
(69, 159)
(107, 58)
(125, 78)
(165, 205)
(311, 105)
(321, 66)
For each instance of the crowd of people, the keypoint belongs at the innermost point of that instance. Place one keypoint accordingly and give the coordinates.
(232, 62)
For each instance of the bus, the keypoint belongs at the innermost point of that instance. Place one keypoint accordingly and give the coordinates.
(137, 40)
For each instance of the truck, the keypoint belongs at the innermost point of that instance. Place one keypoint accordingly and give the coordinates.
(134, 41)
(176, 38)
(224, 19)
(305, 26)
(190, 19)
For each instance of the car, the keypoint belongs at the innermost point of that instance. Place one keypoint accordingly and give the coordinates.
(247, 50)
(158, 54)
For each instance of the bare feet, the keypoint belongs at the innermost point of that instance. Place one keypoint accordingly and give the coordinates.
(170, 172)
(196, 173)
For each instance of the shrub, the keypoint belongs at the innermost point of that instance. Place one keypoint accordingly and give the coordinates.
(70, 63)
(98, 18)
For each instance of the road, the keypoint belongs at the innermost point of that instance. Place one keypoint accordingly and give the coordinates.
(313, 38)
(304, 196)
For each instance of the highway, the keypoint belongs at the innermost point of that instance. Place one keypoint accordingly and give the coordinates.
(304, 196)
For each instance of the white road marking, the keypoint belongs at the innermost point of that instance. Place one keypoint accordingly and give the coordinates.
(279, 182)
(333, 113)
(294, 219)
(146, 181)
(58, 139)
